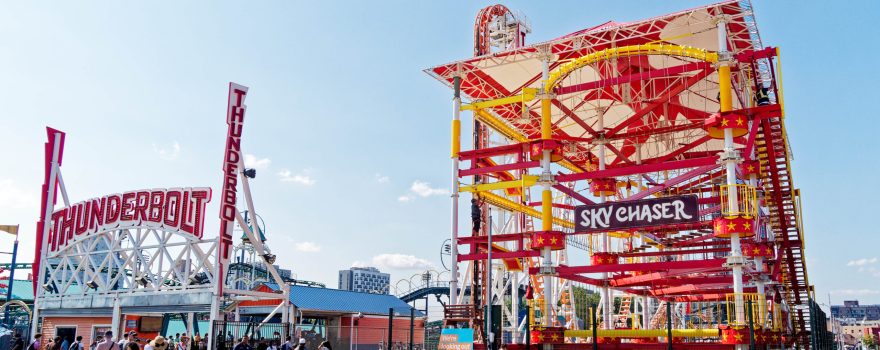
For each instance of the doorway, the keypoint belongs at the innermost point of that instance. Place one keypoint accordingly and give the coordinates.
(66, 333)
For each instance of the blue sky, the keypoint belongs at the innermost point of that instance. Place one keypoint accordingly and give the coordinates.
(351, 137)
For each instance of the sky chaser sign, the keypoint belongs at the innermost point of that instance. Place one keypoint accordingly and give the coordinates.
(641, 213)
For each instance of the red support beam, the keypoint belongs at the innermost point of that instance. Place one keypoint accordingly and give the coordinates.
(660, 101)
(672, 182)
(640, 169)
(498, 168)
(675, 252)
(573, 194)
(499, 255)
(655, 266)
(492, 151)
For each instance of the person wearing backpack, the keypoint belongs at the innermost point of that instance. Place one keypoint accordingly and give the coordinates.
(35, 345)
(78, 344)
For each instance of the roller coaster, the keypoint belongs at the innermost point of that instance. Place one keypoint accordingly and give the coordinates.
(659, 152)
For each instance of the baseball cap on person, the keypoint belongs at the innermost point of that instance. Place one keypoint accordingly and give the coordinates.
(302, 340)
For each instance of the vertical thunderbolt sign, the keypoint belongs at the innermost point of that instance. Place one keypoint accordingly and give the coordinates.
(231, 159)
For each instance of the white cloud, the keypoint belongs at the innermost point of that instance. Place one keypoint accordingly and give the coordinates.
(308, 247)
(424, 189)
(862, 262)
(251, 161)
(11, 196)
(171, 153)
(382, 178)
(401, 262)
(358, 263)
(300, 178)
(856, 292)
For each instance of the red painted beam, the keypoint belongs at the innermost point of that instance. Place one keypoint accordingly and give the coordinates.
(655, 266)
(673, 181)
(498, 168)
(499, 255)
(572, 193)
(675, 252)
(640, 169)
(492, 151)
(495, 238)
(660, 101)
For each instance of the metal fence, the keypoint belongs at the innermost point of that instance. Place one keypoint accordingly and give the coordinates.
(228, 334)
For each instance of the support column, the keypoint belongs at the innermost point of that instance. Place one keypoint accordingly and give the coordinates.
(190, 324)
(546, 195)
(116, 320)
(456, 147)
(730, 159)
(604, 240)
(47, 224)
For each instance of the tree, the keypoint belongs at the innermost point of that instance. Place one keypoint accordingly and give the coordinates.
(869, 341)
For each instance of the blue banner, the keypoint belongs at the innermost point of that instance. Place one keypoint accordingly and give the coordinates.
(456, 339)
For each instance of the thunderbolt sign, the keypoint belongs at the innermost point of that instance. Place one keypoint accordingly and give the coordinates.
(634, 214)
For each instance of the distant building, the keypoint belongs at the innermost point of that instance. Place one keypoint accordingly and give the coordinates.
(852, 310)
(364, 279)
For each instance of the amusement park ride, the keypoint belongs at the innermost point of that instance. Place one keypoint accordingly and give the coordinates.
(659, 148)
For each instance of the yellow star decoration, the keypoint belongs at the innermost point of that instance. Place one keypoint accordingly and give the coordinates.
(553, 240)
(723, 337)
(769, 251)
(540, 337)
(607, 186)
(756, 250)
(723, 122)
(540, 240)
(718, 226)
(731, 226)
(739, 337)
(554, 337)
(739, 121)
(747, 225)
(751, 168)
(775, 337)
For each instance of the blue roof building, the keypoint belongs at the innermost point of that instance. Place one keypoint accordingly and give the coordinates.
(325, 301)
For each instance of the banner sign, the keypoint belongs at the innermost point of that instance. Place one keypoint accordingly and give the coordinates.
(232, 157)
(456, 339)
(641, 213)
(179, 210)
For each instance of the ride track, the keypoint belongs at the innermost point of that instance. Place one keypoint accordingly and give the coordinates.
(679, 115)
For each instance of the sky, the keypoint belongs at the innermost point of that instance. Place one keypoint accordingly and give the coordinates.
(350, 137)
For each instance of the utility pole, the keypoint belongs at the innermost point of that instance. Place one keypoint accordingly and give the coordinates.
(13, 229)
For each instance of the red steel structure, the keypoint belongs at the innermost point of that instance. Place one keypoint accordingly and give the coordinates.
(689, 103)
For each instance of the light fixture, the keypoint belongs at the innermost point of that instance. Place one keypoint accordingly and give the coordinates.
(250, 173)
(270, 258)
(47, 287)
(92, 284)
(199, 278)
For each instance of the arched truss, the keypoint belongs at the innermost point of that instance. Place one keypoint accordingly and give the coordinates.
(19, 303)
(131, 260)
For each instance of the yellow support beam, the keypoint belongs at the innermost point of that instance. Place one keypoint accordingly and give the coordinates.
(624, 51)
(526, 181)
(527, 95)
(513, 134)
(644, 333)
(505, 203)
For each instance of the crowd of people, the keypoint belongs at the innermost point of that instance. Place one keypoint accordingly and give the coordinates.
(130, 341)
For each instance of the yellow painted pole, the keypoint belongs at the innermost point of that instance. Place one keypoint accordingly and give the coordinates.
(724, 87)
(779, 96)
(456, 137)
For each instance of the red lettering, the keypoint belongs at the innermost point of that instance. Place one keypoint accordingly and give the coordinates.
(201, 198)
(140, 205)
(172, 209)
(96, 220)
(113, 207)
(236, 115)
(57, 219)
(229, 198)
(239, 96)
(185, 213)
(127, 206)
(82, 218)
(232, 157)
(228, 212)
(67, 227)
(155, 212)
